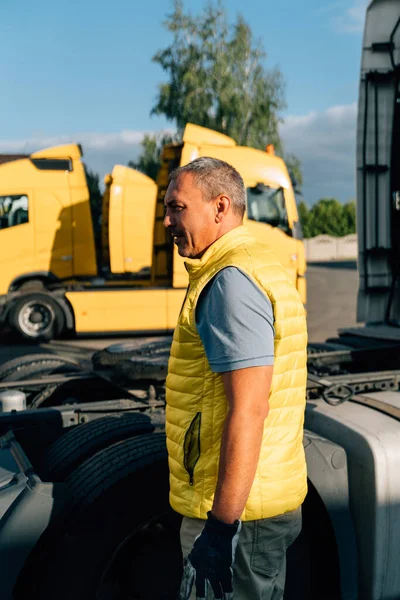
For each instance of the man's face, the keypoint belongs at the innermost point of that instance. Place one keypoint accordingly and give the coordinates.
(190, 219)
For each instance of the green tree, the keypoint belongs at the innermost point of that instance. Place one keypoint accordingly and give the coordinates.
(294, 167)
(149, 159)
(304, 216)
(96, 199)
(95, 195)
(349, 217)
(328, 216)
(217, 78)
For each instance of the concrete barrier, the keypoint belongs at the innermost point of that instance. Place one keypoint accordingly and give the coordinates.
(327, 247)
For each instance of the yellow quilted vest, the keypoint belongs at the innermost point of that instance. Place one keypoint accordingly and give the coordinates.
(196, 401)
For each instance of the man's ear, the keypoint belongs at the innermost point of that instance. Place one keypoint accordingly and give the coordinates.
(222, 207)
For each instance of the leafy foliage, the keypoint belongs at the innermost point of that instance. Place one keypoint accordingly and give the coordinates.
(328, 216)
(294, 167)
(304, 216)
(96, 199)
(349, 216)
(149, 159)
(216, 78)
(95, 195)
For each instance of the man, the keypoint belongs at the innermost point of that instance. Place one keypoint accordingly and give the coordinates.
(235, 394)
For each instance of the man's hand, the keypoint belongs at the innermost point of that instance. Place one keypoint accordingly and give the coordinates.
(209, 564)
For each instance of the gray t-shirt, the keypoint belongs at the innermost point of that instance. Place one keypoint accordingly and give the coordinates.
(235, 322)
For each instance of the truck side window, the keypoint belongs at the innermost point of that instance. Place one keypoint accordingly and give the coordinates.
(267, 205)
(13, 210)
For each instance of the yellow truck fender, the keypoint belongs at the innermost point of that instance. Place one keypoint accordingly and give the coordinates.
(34, 277)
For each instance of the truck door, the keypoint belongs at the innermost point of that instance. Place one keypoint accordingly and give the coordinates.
(138, 222)
(128, 221)
(16, 235)
(54, 231)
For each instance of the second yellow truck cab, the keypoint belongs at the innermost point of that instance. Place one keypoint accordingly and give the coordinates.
(49, 278)
(271, 214)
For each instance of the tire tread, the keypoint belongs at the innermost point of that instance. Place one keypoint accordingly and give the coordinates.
(86, 439)
(23, 363)
(109, 466)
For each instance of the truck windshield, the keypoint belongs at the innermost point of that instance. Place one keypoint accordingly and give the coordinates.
(267, 205)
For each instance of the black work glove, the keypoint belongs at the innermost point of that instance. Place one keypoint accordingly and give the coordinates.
(210, 562)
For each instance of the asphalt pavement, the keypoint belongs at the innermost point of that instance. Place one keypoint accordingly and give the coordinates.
(332, 298)
(331, 304)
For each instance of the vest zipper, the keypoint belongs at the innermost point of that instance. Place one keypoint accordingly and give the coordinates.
(184, 300)
(191, 447)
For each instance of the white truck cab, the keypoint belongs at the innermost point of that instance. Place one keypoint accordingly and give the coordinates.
(359, 377)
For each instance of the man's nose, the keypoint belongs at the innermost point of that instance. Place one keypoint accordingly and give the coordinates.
(167, 220)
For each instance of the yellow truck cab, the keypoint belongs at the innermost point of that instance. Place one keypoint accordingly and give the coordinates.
(45, 223)
(50, 280)
(271, 214)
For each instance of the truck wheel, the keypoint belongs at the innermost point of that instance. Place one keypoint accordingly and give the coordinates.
(33, 285)
(114, 354)
(82, 442)
(37, 317)
(118, 539)
(313, 570)
(31, 365)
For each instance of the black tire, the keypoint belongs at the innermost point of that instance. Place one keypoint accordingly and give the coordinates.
(32, 365)
(33, 285)
(152, 368)
(114, 354)
(37, 317)
(118, 533)
(313, 570)
(82, 442)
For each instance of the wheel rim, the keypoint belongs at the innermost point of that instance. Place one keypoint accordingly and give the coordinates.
(36, 318)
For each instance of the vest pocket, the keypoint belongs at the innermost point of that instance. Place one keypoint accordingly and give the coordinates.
(191, 446)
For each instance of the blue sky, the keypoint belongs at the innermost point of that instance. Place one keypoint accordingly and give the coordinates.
(82, 71)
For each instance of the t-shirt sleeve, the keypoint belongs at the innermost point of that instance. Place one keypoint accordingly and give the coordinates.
(235, 322)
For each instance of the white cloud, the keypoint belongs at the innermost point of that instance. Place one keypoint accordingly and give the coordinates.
(323, 141)
(88, 140)
(325, 144)
(352, 21)
(101, 150)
